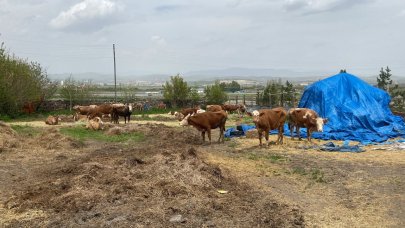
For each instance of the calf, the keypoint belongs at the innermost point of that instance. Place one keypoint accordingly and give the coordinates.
(206, 121)
(304, 117)
(52, 120)
(270, 119)
(125, 111)
(95, 124)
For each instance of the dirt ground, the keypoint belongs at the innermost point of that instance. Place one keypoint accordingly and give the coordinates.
(172, 179)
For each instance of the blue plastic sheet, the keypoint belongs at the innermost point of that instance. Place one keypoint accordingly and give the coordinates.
(356, 110)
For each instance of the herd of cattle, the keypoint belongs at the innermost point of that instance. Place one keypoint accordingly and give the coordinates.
(213, 117)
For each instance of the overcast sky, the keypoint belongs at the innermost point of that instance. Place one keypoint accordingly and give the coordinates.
(178, 36)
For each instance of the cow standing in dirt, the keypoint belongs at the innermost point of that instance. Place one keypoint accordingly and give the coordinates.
(125, 111)
(206, 121)
(304, 117)
(270, 119)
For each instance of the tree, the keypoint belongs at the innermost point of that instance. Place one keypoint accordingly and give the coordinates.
(231, 87)
(21, 82)
(289, 94)
(76, 92)
(195, 97)
(67, 91)
(215, 94)
(176, 91)
(384, 79)
(129, 93)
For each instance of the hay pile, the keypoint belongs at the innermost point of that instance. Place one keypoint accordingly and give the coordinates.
(8, 137)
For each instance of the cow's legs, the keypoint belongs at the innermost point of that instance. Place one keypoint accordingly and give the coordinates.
(260, 133)
(298, 133)
(266, 136)
(280, 135)
(203, 135)
(291, 126)
(309, 135)
(221, 134)
(209, 134)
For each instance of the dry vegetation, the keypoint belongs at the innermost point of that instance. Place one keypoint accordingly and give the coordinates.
(153, 173)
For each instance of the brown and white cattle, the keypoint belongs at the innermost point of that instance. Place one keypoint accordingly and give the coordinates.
(239, 108)
(95, 124)
(102, 109)
(184, 112)
(84, 109)
(270, 119)
(214, 108)
(206, 121)
(52, 120)
(304, 117)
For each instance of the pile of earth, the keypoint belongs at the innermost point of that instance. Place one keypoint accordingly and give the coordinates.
(154, 183)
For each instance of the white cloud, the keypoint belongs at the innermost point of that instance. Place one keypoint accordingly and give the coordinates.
(158, 40)
(402, 13)
(85, 11)
(315, 6)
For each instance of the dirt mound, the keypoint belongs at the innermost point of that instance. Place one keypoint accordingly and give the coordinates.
(51, 139)
(8, 137)
(148, 185)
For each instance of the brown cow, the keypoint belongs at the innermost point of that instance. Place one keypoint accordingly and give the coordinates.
(84, 110)
(270, 119)
(52, 120)
(304, 117)
(214, 108)
(234, 107)
(206, 121)
(99, 110)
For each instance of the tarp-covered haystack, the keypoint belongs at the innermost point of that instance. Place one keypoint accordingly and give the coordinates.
(356, 110)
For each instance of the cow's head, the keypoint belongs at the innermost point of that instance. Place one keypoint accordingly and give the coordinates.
(130, 107)
(256, 116)
(179, 116)
(184, 122)
(319, 122)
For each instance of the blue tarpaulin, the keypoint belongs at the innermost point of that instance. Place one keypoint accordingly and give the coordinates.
(356, 110)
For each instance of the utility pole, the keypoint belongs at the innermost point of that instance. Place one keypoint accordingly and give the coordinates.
(115, 76)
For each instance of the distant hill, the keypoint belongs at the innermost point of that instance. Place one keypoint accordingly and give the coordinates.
(255, 74)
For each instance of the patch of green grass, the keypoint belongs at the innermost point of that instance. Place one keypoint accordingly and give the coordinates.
(314, 174)
(299, 170)
(254, 157)
(25, 130)
(317, 175)
(276, 158)
(82, 134)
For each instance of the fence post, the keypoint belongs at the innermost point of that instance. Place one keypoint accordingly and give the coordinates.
(244, 99)
(236, 101)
